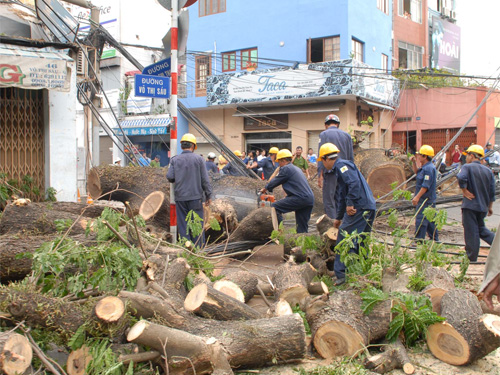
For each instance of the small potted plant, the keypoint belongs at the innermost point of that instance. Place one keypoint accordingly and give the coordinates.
(251, 66)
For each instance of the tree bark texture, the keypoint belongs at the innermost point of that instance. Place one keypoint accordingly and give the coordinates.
(441, 283)
(463, 337)
(257, 225)
(394, 356)
(38, 219)
(225, 214)
(13, 266)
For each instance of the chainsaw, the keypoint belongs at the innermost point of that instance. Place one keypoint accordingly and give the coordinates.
(264, 200)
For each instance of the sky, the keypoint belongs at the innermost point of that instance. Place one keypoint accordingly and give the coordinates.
(480, 34)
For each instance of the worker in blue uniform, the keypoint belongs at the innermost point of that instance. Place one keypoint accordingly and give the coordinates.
(425, 192)
(478, 186)
(192, 186)
(355, 206)
(230, 169)
(328, 181)
(210, 164)
(268, 164)
(299, 196)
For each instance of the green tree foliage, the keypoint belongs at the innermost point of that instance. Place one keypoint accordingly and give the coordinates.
(427, 78)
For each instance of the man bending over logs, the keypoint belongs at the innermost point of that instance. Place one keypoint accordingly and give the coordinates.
(355, 206)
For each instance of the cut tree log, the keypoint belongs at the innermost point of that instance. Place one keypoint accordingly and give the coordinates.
(110, 309)
(441, 283)
(241, 285)
(467, 334)
(325, 227)
(151, 204)
(292, 281)
(380, 171)
(38, 219)
(279, 308)
(339, 327)
(205, 301)
(314, 288)
(178, 345)
(131, 184)
(264, 346)
(257, 225)
(393, 357)
(78, 361)
(224, 213)
(15, 353)
(14, 266)
(317, 261)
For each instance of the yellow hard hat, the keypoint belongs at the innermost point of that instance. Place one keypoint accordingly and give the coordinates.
(476, 149)
(426, 150)
(237, 152)
(327, 149)
(188, 137)
(274, 150)
(283, 154)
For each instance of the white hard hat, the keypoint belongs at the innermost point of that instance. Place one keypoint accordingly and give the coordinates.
(211, 155)
(116, 160)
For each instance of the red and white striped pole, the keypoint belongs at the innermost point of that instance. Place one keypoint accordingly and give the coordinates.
(173, 109)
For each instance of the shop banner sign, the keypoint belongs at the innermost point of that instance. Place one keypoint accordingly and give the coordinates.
(34, 73)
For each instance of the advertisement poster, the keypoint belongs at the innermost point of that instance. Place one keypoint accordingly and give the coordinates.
(445, 40)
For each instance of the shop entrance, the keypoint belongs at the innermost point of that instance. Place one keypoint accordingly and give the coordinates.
(259, 141)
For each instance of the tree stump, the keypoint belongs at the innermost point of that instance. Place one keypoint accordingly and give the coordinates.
(15, 353)
(339, 327)
(467, 334)
(292, 281)
(78, 361)
(110, 309)
(210, 303)
(241, 285)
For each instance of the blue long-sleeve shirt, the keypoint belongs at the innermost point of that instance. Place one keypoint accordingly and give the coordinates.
(210, 166)
(426, 178)
(268, 167)
(339, 138)
(188, 172)
(294, 183)
(352, 189)
(479, 180)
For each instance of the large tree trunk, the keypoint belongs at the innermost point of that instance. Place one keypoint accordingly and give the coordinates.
(339, 327)
(257, 225)
(467, 334)
(380, 171)
(133, 184)
(441, 283)
(249, 343)
(15, 353)
(13, 266)
(224, 213)
(38, 218)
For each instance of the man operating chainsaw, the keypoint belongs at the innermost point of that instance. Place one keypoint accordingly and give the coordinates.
(300, 197)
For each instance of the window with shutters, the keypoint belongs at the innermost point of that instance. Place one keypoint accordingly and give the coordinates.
(357, 50)
(229, 61)
(203, 70)
(383, 5)
(323, 49)
(207, 7)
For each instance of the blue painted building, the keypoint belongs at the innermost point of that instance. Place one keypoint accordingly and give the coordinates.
(235, 47)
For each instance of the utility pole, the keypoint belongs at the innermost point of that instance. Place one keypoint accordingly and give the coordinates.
(94, 17)
(173, 109)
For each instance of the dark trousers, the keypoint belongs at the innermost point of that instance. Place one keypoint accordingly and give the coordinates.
(302, 211)
(362, 222)
(423, 226)
(329, 187)
(182, 209)
(474, 230)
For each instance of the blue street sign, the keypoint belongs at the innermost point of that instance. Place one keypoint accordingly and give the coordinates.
(152, 86)
(160, 68)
